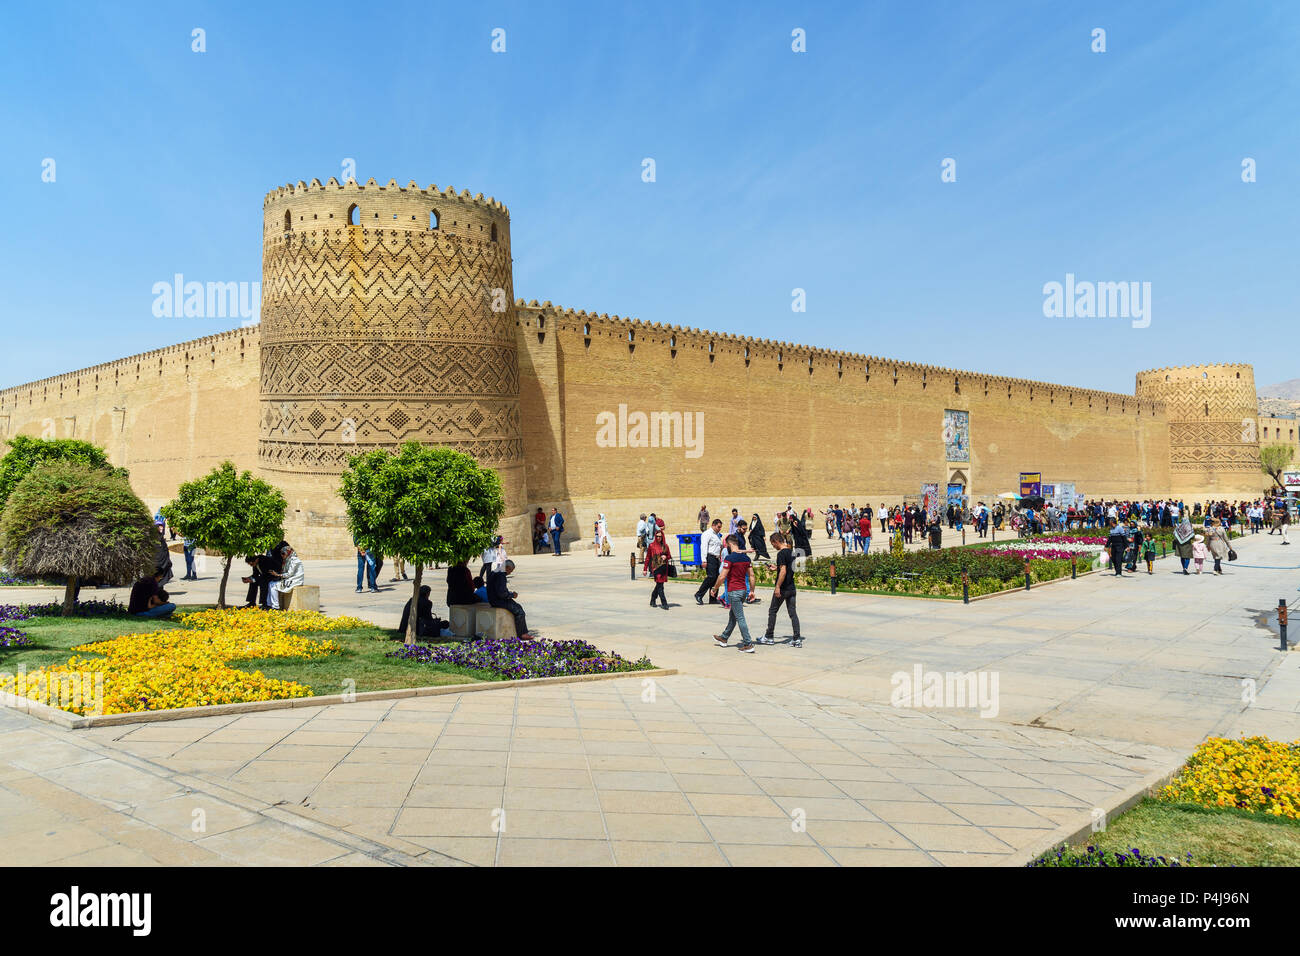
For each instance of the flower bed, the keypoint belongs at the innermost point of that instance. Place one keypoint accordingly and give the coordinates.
(937, 573)
(522, 660)
(1254, 774)
(186, 666)
(1064, 856)
(11, 636)
(93, 608)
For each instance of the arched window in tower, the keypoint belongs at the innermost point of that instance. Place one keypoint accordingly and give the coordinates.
(354, 215)
(288, 221)
(433, 219)
(494, 232)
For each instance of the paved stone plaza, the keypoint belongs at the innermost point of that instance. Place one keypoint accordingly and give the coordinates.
(787, 756)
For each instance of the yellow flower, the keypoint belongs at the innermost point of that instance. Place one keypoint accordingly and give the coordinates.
(183, 667)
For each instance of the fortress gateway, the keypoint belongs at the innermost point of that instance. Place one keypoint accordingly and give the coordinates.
(388, 314)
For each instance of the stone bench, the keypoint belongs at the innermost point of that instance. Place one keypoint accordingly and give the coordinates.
(495, 623)
(305, 597)
(471, 620)
(462, 618)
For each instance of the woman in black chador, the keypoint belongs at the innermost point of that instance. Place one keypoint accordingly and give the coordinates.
(758, 537)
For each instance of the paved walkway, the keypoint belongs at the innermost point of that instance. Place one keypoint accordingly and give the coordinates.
(681, 771)
(1102, 684)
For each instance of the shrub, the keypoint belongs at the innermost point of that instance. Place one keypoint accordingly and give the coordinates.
(78, 521)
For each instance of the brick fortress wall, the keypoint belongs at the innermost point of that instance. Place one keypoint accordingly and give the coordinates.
(784, 422)
(403, 326)
(168, 415)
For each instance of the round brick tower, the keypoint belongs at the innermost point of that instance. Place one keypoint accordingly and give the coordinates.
(387, 316)
(1213, 445)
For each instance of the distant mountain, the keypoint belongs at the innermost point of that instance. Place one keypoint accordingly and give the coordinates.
(1278, 406)
(1290, 390)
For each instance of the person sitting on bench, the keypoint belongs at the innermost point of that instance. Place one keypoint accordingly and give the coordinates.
(259, 581)
(460, 584)
(500, 595)
(426, 625)
(293, 575)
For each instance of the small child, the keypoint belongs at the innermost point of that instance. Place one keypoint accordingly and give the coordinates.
(1149, 555)
(1199, 552)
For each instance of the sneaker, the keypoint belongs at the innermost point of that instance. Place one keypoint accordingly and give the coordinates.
(699, 600)
(796, 642)
(358, 590)
(720, 641)
(765, 640)
(747, 648)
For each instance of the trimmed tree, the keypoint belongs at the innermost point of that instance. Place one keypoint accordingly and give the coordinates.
(230, 513)
(425, 504)
(78, 520)
(1273, 460)
(26, 452)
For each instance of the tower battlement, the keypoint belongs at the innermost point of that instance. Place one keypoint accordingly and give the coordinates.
(315, 209)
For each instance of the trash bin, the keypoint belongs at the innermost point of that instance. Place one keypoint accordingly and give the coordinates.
(688, 550)
(936, 536)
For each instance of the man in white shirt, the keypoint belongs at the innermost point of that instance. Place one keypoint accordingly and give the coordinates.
(293, 575)
(711, 545)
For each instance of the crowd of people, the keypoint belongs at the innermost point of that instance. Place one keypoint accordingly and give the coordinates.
(730, 546)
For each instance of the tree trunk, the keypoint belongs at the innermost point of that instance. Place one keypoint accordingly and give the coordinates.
(69, 596)
(225, 574)
(413, 615)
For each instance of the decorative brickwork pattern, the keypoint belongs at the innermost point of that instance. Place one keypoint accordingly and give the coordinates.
(1213, 434)
(387, 316)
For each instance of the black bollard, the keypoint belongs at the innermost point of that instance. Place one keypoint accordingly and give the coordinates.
(1281, 622)
(631, 563)
(965, 587)
(832, 577)
(1074, 568)
(1026, 574)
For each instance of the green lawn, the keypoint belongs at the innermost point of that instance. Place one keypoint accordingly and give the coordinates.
(1214, 837)
(362, 659)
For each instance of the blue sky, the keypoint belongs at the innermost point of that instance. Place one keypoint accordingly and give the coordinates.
(775, 170)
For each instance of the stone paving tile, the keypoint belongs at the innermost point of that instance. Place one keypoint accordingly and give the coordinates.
(777, 856)
(517, 851)
(639, 853)
(268, 844)
(878, 856)
(644, 801)
(475, 850)
(936, 837)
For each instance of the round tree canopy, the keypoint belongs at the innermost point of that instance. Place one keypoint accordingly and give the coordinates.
(75, 520)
